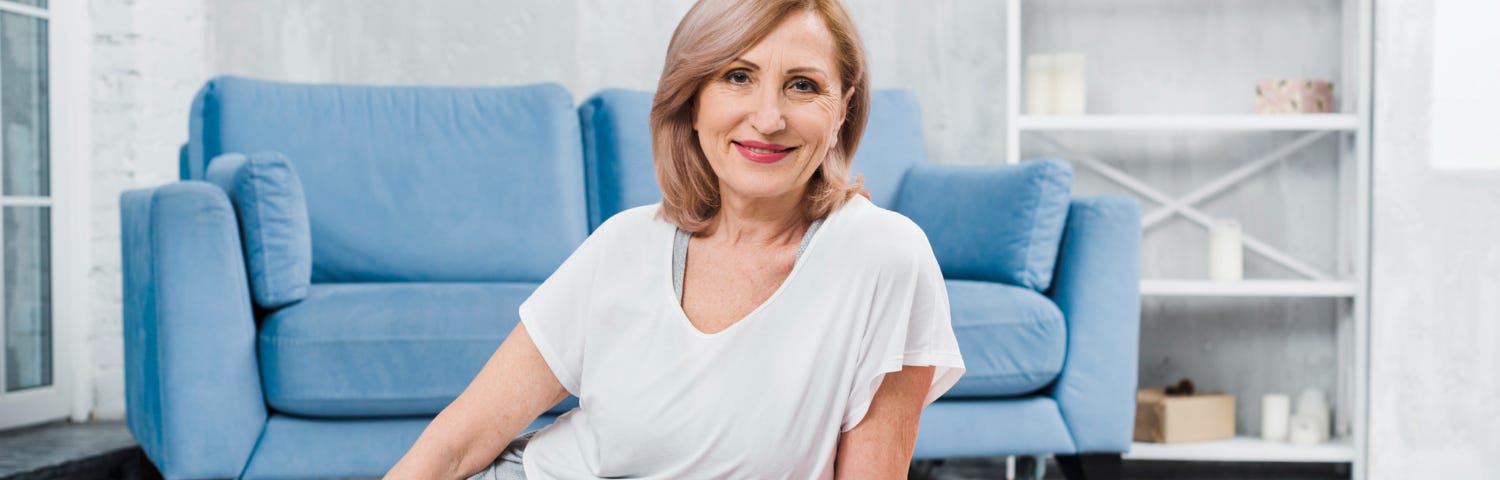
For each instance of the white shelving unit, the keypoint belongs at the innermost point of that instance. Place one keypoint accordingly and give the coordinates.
(1349, 285)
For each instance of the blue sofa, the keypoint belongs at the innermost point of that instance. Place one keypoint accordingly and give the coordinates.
(339, 261)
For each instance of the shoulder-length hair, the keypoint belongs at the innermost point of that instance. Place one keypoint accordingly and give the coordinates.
(710, 36)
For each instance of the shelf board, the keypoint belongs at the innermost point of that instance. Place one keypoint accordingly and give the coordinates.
(1244, 449)
(1252, 122)
(1247, 288)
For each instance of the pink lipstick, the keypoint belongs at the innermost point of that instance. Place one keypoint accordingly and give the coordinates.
(762, 152)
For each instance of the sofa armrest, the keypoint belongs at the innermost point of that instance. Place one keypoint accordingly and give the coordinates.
(192, 382)
(1097, 286)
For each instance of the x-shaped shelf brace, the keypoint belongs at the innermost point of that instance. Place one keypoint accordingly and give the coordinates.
(1184, 205)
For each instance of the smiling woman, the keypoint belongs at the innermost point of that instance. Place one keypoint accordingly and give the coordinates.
(802, 80)
(765, 320)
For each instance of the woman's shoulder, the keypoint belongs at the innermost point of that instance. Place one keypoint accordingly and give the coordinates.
(633, 218)
(868, 220)
(632, 225)
(876, 233)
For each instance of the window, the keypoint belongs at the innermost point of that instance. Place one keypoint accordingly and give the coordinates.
(29, 390)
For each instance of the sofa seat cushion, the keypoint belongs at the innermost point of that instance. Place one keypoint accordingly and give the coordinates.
(382, 349)
(1013, 339)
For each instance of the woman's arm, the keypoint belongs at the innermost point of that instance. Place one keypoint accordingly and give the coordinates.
(881, 445)
(512, 390)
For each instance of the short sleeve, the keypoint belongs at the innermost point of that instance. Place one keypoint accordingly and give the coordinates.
(556, 313)
(909, 325)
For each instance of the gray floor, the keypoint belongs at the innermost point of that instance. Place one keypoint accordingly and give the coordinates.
(67, 450)
(106, 450)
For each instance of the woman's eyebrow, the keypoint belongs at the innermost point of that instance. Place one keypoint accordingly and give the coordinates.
(789, 71)
(818, 71)
(747, 62)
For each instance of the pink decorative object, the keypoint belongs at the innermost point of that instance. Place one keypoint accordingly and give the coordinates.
(1293, 95)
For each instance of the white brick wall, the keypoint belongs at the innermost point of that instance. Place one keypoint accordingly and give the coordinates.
(148, 59)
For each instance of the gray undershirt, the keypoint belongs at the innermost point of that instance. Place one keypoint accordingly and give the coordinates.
(680, 246)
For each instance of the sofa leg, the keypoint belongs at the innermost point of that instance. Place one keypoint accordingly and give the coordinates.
(1090, 466)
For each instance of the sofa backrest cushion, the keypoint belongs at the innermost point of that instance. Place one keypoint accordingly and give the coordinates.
(617, 152)
(413, 183)
(1000, 223)
(268, 200)
(622, 174)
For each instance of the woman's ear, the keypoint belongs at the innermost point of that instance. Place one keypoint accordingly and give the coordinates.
(693, 112)
(843, 115)
(848, 97)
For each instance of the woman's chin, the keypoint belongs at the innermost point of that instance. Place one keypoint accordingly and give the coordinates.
(760, 192)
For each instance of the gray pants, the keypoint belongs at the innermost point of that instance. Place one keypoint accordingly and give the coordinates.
(507, 466)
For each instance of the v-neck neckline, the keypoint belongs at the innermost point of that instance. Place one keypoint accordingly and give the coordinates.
(682, 318)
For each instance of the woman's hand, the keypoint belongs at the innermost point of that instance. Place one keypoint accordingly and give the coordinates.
(512, 390)
(881, 445)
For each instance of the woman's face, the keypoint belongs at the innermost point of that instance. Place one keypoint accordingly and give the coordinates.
(767, 120)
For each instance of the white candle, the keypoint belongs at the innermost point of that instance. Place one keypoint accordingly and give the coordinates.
(1313, 404)
(1225, 251)
(1275, 412)
(1069, 84)
(1312, 401)
(1304, 430)
(1039, 76)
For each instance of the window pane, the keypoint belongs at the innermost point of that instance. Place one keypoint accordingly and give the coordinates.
(28, 297)
(23, 104)
(34, 3)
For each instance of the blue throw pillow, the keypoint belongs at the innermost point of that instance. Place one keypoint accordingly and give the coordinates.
(998, 223)
(267, 198)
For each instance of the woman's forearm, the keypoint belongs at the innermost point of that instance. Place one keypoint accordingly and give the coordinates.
(513, 389)
(434, 455)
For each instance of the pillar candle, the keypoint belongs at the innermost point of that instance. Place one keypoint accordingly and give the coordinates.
(1313, 401)
(1039, 75)
(1313, 404)
(1275, 412)
(1069, 84)
(1304, 430)
(1225, 251)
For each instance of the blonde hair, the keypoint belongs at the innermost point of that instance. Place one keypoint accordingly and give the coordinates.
(710, 36)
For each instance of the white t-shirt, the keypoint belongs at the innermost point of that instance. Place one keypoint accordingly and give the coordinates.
(766, 397)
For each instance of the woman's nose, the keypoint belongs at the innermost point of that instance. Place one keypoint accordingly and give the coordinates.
(766, 117)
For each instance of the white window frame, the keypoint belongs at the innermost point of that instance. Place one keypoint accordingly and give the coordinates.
(69, 168)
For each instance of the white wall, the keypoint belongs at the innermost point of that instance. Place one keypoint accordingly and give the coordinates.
(1435, 301)
(148, 59)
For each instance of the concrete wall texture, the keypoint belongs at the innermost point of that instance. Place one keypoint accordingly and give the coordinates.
(1435, 301)
(1434, 359)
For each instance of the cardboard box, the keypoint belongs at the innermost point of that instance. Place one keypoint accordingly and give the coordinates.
(1162, 418)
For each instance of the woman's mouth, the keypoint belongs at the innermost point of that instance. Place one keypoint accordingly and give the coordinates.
(762, 152)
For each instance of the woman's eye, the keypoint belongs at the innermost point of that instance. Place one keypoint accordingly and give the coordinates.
(737, 77)
(804, 85)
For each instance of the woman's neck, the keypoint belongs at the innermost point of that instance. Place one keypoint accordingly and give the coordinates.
(759, 222)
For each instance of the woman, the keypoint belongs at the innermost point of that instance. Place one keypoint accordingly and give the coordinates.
(765, 320)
